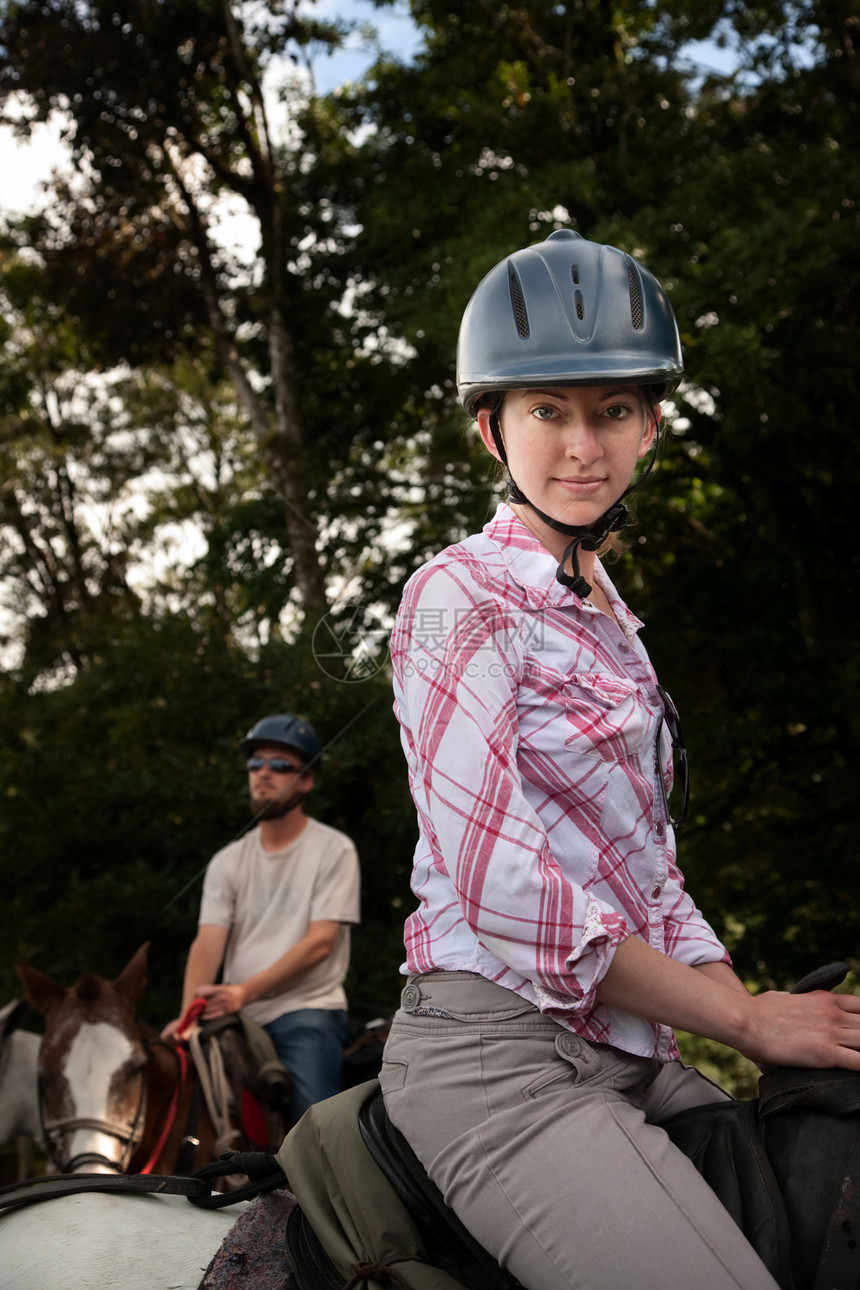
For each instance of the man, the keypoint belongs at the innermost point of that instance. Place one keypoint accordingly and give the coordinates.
(276, 911)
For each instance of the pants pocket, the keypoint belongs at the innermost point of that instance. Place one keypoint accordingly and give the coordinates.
(392, 1076)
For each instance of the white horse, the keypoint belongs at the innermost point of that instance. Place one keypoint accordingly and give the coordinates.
(107, 1242)
(19, 1102)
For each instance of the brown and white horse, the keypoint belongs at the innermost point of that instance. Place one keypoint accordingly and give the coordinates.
(114, 1097)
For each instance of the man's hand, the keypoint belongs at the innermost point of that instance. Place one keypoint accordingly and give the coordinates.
(221, 1000)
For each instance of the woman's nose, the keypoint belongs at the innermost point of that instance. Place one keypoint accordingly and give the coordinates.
(583, 443)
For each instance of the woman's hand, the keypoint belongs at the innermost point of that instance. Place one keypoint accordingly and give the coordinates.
(818, 1029)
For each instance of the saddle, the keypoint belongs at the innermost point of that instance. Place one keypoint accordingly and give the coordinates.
(786, 1166)
(255, 1085)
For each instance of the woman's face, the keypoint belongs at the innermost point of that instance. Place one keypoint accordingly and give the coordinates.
(573, 449)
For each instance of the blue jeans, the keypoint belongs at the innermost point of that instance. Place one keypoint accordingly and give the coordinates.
(310, 1042)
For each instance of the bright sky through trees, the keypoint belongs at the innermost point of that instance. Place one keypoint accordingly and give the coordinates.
(25, 164)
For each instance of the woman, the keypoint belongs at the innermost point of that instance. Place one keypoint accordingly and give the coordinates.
(554, 946)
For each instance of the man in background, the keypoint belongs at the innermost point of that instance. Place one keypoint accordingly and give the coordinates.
(275, 914)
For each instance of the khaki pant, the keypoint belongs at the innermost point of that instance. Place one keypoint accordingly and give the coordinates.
(540, 1142)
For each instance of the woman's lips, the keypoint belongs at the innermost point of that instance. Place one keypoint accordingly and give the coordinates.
(583, 486)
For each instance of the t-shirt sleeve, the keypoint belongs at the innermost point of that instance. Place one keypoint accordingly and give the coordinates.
(218, 902)
(336, 890)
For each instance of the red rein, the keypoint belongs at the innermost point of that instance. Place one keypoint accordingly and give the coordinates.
(191, 1016)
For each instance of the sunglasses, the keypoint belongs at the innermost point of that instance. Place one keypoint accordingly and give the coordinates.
(275, 764)
(681, 765)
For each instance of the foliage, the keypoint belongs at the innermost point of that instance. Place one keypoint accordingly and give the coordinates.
(733, 1072)
(118, 788)
(739, 189)
(297, 415)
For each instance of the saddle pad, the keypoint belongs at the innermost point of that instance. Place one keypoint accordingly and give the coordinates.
(252, 1255)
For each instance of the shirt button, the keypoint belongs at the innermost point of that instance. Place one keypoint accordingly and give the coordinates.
(410, 997)
(656, 893)
(571, 1045)
(659, 828)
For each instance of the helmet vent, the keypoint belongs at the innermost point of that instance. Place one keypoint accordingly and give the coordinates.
(580, 305)
(635, 296)
(519, 304)
(574, 274)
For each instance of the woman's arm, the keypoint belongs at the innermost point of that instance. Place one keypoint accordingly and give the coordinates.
(723, 973)
(819, 1029)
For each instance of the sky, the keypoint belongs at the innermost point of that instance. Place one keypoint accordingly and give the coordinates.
(396, 30)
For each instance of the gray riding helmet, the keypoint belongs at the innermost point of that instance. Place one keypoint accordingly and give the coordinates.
(283, 728)
(567, 311)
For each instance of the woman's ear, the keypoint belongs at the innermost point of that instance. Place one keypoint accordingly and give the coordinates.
(654, 415)
(483, 417)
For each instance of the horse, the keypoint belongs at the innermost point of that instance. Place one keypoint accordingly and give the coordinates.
(786, 1163)
(113, 1242)
(113, 1096)
(19, 1105)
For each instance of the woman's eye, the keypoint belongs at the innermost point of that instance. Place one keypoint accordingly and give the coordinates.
(543, 412)
(616, 411)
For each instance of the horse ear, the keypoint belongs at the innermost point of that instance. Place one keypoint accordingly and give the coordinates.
(42, 992)
(132, 979)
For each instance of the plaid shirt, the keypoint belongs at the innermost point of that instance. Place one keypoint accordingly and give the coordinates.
(530, 723)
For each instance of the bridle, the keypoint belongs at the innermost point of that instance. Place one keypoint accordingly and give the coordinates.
(129, 1133)
(54, 1132)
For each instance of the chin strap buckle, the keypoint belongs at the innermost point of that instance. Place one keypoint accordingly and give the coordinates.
(590, 540)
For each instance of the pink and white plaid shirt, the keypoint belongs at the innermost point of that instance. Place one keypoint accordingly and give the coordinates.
(530, 723)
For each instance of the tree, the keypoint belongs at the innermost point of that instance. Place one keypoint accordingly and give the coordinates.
(131, 680)
(333, 353)
(739, 190)
(166, 114)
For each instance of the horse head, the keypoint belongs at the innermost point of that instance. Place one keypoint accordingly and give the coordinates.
(92, 1086)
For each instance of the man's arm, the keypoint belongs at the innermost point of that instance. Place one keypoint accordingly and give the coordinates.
(316, 945)
(204, 963)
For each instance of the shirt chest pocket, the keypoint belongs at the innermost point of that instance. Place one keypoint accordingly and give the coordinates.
(605, 716)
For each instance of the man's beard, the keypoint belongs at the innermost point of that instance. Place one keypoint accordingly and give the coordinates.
(275, 808)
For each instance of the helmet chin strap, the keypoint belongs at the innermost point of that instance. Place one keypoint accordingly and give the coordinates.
(588, 537)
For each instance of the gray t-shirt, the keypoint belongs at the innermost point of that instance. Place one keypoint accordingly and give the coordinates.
(268, 899)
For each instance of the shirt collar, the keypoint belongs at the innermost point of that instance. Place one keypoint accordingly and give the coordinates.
(533, 568)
